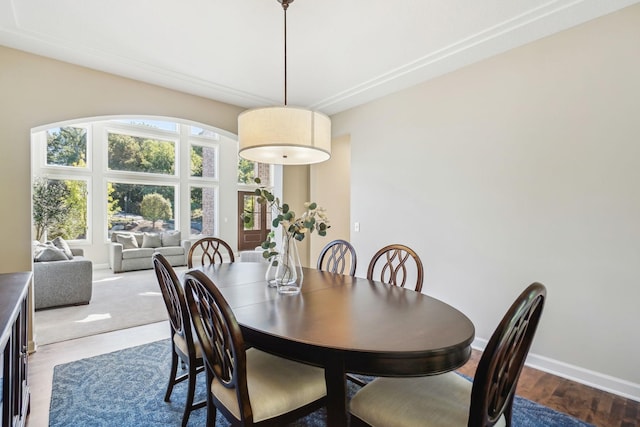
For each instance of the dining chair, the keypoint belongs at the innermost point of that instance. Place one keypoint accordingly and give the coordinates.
(248, 386)
(336, 256)
(450, 400)
(213, 250)
(184, 348)
(389, 265)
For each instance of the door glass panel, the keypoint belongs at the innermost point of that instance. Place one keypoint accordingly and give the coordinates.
(250, 205)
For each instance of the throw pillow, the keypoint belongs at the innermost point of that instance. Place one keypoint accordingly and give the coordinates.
(171, 238)
(61, 244)
(151, 240)
(128, 241)
(50, 253)
(37, 248)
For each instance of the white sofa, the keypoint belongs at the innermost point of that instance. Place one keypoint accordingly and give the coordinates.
(133, 251)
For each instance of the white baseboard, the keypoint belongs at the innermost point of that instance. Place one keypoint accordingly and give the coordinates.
(598, 380)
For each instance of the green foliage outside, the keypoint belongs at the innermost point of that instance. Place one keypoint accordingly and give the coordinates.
(246, 171)
(67, 216)
(134, 154)
(67, 146)
(154, 207)
(59, 207)
(196, 160)
(246, 175)
(75, 224)
(196, 205)
(249, 216)
(50, 206)
(112, 205)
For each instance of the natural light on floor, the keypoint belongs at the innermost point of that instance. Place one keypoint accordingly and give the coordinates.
(94, 318)
(107, 279)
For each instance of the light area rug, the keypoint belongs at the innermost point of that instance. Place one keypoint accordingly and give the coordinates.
(119, 301)
(126, 389)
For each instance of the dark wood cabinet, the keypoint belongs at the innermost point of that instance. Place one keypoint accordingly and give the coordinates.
(14, 388)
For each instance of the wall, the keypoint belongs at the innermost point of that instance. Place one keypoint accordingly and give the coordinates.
(37, 91)
(327, 184)
(524, 167)
(331, 188)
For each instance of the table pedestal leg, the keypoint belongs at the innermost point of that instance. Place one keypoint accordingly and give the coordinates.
(334, 375)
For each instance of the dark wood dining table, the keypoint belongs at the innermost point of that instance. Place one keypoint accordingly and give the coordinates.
(346, 324)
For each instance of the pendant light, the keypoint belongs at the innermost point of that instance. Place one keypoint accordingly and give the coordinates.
(282, 134)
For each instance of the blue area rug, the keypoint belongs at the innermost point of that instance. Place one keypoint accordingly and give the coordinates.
(126, 389)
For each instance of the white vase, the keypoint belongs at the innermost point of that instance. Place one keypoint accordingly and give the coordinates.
(288, 275)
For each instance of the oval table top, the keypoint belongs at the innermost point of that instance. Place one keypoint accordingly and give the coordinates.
(346, 324)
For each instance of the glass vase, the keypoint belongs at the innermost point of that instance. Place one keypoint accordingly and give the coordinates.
(288, 276)
(270, 275)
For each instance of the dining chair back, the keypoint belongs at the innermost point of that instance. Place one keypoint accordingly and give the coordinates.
(337, 256)
(499, 368)
(394, 264)
(451, 400)
(184, 348)
(207, 251)
(248, 386)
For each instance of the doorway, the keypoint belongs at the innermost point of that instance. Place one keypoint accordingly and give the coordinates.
(251, 234)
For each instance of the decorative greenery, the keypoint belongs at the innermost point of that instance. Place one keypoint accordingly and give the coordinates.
(313, 218)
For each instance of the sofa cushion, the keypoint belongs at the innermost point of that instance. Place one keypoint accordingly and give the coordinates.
(137, 253)
(61, 244)
(151, 240)
(171, 238)
(128, 241)
(171, 250)
(38, 247)
(47, 252)
(50, 254)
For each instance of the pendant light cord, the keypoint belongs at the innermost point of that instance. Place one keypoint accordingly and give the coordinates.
(285, 6)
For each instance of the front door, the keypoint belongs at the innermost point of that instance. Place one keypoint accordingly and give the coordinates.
(253, 233)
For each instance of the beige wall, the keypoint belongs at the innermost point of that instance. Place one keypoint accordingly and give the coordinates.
(327, 184)
(330, 187)
(37, 91)
(524, 167)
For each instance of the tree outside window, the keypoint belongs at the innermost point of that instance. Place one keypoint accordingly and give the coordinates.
(60, 209)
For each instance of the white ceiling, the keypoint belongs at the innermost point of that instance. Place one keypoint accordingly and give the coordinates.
(341, 53)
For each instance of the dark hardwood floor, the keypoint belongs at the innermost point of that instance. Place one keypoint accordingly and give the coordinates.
(594, 406)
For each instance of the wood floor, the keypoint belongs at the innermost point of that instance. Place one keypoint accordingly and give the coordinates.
(586, 403)
(593, 406)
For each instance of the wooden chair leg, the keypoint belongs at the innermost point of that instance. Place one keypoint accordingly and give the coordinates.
(211, 411)
(188, 407)
(172, 376)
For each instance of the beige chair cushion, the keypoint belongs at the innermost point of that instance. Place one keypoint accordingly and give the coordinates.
(181, 343)
(276, 386)
(436, 401)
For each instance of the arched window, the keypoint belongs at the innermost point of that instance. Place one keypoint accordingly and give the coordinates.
(134, 173)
